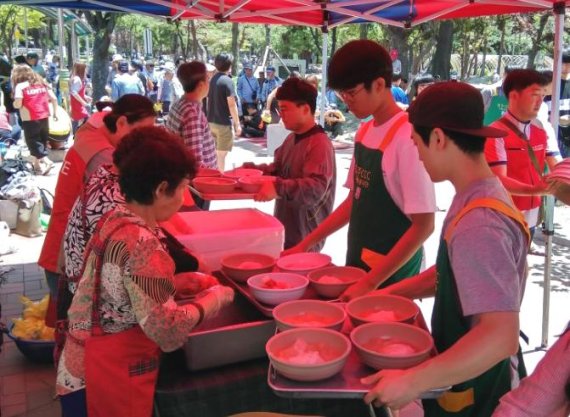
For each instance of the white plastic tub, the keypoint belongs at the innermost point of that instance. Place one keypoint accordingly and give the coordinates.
(215, 234)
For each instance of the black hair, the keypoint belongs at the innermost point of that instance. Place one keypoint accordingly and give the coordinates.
(298, 91)
(469, 144)
(566, 56)
(519, 79)
(190, 74)
(133, 106)
(546, 77)
(148, 156)
(423, 79)
(137, 64)
(396, 77)
(223, 61)
(359, 61)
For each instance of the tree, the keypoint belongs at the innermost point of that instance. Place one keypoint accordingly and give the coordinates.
(11, 17)
(235, 48)
(441, 64)
(103, 24)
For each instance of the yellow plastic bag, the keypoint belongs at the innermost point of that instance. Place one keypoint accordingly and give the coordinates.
(35, 309)
(32, 325)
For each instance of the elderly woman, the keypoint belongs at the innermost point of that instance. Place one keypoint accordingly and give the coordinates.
(32, 96)
(123, 312)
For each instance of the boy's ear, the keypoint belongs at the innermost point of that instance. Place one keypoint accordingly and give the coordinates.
(439, 138)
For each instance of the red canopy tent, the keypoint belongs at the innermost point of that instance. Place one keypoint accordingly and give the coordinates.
(327, 14)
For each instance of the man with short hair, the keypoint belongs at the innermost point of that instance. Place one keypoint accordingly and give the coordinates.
(304, 166)
(222, 108)
(399, 95)
(479, 277)
(247, 88)
(564, 106)
(125, 83)
(519, 158)
(270, 83)
(391, 204)
(33, 60)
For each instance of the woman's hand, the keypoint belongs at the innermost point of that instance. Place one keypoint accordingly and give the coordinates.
(189, 284)
(214, 299)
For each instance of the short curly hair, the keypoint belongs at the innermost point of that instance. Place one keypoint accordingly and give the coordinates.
(146, 157)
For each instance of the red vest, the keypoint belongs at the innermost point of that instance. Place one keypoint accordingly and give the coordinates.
(519, 164)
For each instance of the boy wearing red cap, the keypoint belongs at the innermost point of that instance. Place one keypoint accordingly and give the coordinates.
(479, 276)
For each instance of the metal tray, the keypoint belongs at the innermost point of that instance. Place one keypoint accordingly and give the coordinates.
(265, 309)
(237, 334)
(344, 385)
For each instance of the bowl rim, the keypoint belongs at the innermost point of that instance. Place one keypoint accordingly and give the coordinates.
(250, 179)
(207, 180)
(22, 340)
(390, 324)
(313, 330)
(277, 290)
(225, 258)
(317, 254)
(254, 172)
(311, 275)
(279, 307)
(368, 296)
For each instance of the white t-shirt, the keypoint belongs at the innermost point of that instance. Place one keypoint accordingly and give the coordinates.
(404, 174)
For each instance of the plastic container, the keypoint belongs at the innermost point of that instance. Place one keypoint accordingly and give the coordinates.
(216, 234)
(39, 351)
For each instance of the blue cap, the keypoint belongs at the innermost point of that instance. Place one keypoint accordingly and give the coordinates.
(270, 68)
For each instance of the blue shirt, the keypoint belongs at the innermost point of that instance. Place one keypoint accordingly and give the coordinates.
(399, 95)
(268, 87)
(246, 86)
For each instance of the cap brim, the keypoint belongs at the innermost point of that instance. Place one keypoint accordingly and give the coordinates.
(484, 132)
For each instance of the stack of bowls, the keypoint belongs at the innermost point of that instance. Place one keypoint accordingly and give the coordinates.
(241, 266)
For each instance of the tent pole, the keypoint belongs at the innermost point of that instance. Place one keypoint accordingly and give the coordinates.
(548, 231)
(26, 28)
(60, 34)
(324, 75)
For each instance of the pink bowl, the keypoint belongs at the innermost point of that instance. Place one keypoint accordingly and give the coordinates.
(252, 184)
(243, 172)
(241, 266)
(344, 276)
(309, 313)
(208, 172)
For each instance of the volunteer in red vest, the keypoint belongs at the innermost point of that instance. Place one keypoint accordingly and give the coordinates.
(391, 204)
(79, 102)
(93, 146)
(519, 158)
(32, 96)
(123, 313)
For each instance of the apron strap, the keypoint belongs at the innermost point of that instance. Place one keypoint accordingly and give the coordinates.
(391, 134)
(361, 132)
(493, 204)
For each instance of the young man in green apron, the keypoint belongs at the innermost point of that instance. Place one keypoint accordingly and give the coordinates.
(479, 276)
(391, 204)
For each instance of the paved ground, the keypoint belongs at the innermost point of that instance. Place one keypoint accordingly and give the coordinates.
(27, 389)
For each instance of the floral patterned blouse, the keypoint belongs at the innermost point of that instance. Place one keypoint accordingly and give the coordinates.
(137, 289)
(101, 194)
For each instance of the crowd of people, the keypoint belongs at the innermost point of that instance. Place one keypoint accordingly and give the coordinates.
(113, 270)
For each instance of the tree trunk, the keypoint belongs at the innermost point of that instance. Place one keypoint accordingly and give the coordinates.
(235, 48)
(537, 40)
(441, 64)
(334, 41)
(364, 28)
(501, 24)
(317, 40)
(482, 72)
(267, 37)
(103, 24)
(194, 39)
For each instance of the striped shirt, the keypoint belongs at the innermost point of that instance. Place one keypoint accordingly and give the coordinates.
(187, 119)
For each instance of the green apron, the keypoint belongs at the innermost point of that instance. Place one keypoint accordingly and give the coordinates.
(480, 396)
(376, 222)
(497, 108)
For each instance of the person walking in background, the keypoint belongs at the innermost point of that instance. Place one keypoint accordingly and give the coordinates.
(9, 135)
(270, 83)
(80, 103)
(53, 76)
(33, 60)
(222, 108)
(32, 97)
(125, 83)
(564, 106)
(165, 92)
(247, 88)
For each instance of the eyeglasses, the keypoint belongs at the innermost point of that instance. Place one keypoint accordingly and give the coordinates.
(349, 94)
